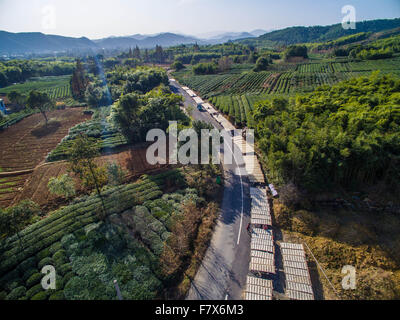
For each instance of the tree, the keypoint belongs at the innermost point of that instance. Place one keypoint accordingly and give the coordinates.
(116, 174)
(177, 65)
(296, 51)
(79, 81)
(62, 185)
(16, 97)
(40, 100)
(136, 52)
(261, 64)
(159, 54)
(82, 156)
(225, 63)
(126, 115)
(14, 219)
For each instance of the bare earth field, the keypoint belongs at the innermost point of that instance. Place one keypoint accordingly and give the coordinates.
(26, 144)
(131, 159)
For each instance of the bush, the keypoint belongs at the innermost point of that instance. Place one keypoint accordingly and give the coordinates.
(296, 51)
(60, 258)
(59, 295)
(68, 277)
(177, 65)
(3, 295)
(16, 293)
(27, 265)
(64, 269)
(44, 262)
(34, 290)
(40, 296)
(205, 68)
(29, 273)
(43, 254)
(34, 279)
(261, 64)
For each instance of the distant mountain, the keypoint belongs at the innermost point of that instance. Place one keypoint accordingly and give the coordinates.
(34, 42)
(294, 35)
(227, 36)
(259, 32)
(162, 39)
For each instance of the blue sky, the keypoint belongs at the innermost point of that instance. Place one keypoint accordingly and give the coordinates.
(101, 18)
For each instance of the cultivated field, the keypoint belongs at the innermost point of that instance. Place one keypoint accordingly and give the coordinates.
(56, 87)
(235, 93)
(26, 144)
(132, 159)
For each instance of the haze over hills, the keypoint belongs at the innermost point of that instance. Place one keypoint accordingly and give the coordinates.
(36, 42)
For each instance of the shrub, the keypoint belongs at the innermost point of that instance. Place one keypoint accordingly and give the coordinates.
(16, 293)
(60, 258)
(261, 64)
(29, 273)
(54, 248)
(205, 68)
(59, 295)
(44, 262)
(40, 296)
(34, 279)
(43, 254)
(27, 265)
(68, 277)
(34, 290)
(3, 295)
(64, 269)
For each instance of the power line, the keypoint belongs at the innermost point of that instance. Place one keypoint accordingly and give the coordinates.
(322, 269)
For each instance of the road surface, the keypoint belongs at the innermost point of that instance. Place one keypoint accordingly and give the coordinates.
(222, 275)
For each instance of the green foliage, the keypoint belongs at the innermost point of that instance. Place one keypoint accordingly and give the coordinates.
(15, 218)
(346, 135)
(205, 68)
(295, 35)
(59, 295)
(79, 81)
(261, 64)
(62, 185)
(177, 65)
(136, 114)
(116, 173)
(41, 101)
(16, 293)
(44, 262)
(296, 51)
(14, 71)
(40, 296)
(34, 280)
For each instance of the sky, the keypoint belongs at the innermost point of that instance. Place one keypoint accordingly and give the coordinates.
(103, 18)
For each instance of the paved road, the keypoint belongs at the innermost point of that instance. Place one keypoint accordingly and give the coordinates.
(223, 272)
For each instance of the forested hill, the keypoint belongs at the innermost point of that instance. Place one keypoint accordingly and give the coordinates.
(12, 43)
(294, 35)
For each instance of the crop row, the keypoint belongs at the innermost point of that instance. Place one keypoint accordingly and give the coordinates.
(44, 233)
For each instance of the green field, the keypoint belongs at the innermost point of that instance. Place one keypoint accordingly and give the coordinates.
(235, 92)
(57, 87)
(89, 254)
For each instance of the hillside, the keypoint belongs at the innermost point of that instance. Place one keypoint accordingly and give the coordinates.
(33, 42)
(294, 35)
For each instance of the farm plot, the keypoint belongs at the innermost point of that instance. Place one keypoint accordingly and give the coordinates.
(27, 143)
(90, 254)
(56, 87)
(133, 160)
(99, 128)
